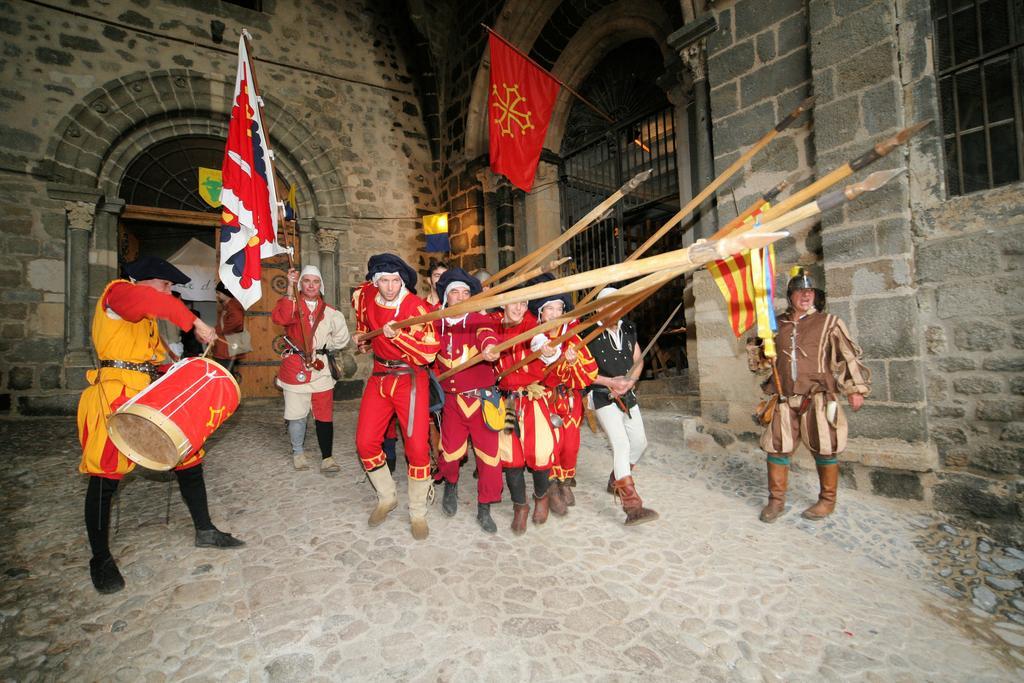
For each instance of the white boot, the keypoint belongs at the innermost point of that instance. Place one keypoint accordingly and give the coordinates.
(387, 497)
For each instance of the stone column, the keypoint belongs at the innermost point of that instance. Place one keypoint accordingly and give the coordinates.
(543, 208)
(489, 183)
(327, 245)
(694, 59)
(80, 220)
(506, 224)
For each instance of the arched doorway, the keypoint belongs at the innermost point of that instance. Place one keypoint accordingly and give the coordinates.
(597, 157)
(166, 215)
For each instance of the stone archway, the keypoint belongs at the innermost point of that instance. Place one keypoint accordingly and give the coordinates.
(97, 140)
(117, 121)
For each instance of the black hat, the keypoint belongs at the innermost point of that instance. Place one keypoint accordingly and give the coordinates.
(457, 275)
(153, 268)
(536, 304)
(390, 263)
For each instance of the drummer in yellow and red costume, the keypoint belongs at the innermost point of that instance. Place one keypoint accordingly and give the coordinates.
(571, 369)
(126, 341)
(462, 418)
(398, 384)
(529, 440)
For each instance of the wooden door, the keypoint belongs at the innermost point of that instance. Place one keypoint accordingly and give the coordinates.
(257, 370)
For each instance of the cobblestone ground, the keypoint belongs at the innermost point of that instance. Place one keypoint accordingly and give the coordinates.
(705, 593)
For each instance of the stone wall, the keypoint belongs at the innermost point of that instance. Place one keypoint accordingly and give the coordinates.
(927, 283)
(85, 89)
(758, 71)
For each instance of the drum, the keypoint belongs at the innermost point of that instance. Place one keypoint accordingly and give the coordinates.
(174, 415)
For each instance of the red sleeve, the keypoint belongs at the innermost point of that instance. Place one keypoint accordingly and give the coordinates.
(486, 332)
(284, 311)
(135, 302)
(234, 318)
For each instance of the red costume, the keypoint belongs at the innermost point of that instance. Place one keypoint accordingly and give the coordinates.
(462, 417)
(535, 442)
(398, 384)
(565, 382)
(231, 320)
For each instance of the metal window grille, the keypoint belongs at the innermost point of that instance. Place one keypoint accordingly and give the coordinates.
(979, 52)
(592, 172)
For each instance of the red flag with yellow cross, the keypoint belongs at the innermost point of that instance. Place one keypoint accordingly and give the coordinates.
(522, 97)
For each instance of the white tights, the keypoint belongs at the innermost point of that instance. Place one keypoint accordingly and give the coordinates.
(626, 434)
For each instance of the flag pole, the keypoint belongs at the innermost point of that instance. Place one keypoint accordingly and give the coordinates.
(246, 37)
(558, 80)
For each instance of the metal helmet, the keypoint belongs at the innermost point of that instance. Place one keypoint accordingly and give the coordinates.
(799, 278)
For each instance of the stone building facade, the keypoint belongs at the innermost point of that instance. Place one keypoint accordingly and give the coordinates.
(89, 88)
(379, 112)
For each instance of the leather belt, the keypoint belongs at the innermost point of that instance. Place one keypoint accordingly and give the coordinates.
(399, 368)
(147, 368)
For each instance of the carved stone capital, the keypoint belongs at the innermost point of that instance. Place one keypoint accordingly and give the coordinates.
(326, 240)
(80, 215)
(489, 181)
(695, 60)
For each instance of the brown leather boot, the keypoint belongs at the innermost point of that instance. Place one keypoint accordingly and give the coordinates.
(567, 494)
(519, 514)
(828, 477)
(540, 508)
(778, 477)
(634, 508)
(556, 499)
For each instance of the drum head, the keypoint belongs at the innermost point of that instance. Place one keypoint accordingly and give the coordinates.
(142, 441)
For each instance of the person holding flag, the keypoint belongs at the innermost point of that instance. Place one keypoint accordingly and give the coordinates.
(312, 331)
(398, 385)
(817, 362)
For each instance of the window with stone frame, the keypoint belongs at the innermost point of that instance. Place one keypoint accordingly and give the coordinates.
(979, 49)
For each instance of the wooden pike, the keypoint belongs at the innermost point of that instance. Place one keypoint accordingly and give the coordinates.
(496, 289)
(728, 173)
(607, 316)
(828, 201)
(524, 276)
(837, 175)
(691, 257)
(740, 220)
(543, 327)
(538, 254)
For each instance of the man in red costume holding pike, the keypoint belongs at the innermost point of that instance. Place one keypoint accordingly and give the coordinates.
(469, 394)
(570, 369)
(528, 440)
(398, 384)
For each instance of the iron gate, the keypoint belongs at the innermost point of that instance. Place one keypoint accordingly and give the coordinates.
(591, 173)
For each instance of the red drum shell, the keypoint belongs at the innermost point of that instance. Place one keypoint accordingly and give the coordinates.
(172, 417)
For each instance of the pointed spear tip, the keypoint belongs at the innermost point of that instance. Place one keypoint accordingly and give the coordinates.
(911, 131)
(807, 103)
(635, 181)
(880, 178)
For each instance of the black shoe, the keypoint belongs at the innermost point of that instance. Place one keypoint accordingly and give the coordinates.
(215, 538)
(483, 517)
(450, 501)
(105, 576)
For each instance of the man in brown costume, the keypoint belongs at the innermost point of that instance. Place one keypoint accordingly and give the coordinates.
(817, 361)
